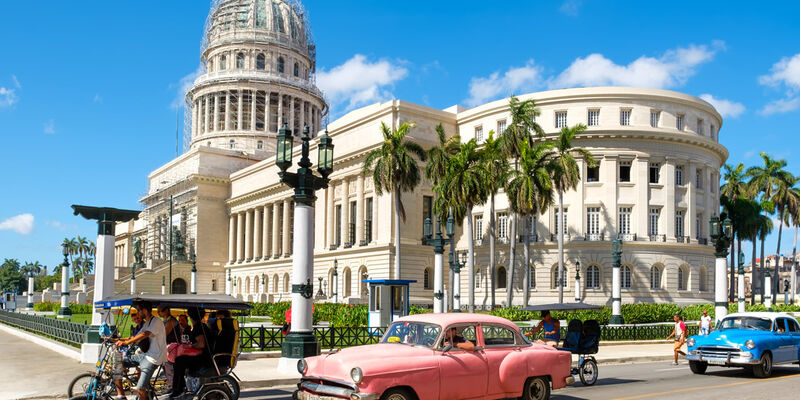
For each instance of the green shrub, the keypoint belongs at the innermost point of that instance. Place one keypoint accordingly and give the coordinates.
(419, 310)
(349, 316)
(46, 306)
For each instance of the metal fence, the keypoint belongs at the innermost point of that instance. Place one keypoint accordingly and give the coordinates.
(271, 338)
(65, 331)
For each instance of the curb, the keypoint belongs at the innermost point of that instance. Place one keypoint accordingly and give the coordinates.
(268, 383)
(633, 360)
(58, 347)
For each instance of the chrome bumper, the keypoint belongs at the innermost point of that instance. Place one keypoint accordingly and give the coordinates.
(744, 358)
(307, 390)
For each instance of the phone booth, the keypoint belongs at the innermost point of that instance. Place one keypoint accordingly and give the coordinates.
(388, 300)
(10, 301)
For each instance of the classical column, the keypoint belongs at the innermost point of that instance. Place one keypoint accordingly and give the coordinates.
(642, 192)
(329, 213)
(253, 109)
(207, 102)
(345, 223)
(360, 209)
(291, 115)
(691, 205)
(239, 237)
(668, 216)
(257, 233)
(232, 239)
(215, 112)
(276, 229)
(227, 110)
(239, 111)
(265, 246)
(194, 119)
(248, 236)
(287, 245)
(610, 170)
(280, 110)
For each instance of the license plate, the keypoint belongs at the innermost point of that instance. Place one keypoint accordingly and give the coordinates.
(716, 362)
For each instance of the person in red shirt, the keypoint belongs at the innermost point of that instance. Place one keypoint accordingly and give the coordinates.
(679, 333)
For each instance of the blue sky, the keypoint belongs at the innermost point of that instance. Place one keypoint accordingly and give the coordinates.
(88, 90)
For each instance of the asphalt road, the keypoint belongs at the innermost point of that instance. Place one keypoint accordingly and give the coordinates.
(651, 381)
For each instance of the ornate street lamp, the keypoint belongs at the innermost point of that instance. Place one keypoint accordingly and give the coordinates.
(721, 234)
(64, 311)
(616, 283)
(264, 284)
(228, 285)
(163, 285)
(335, 283)
(577, 281)
(193, 257)
(740, 283)
(438, 243)
(301, 341)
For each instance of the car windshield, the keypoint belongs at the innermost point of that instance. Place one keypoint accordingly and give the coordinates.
(413, 333)
(760, 324)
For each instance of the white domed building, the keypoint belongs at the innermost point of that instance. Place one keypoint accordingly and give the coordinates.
(655, 186)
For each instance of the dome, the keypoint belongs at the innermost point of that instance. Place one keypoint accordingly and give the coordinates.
(273, 21)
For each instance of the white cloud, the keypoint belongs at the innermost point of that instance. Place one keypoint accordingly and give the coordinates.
(571, 7)
(97, 98)
(22, 224)
(7, 97)
(359, 81)
(516, 79)
(183, 87)
(16, 82)
(726, 108)
(671, 69)
(49, 127)
(781, 106)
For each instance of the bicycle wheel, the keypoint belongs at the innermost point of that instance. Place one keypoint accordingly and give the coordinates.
(79, 397)
(80, 385)
(232, 384)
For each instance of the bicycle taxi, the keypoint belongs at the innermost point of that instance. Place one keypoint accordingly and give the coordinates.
(214, 381)
(582, 338)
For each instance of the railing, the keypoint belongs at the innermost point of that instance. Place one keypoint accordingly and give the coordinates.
(633, 332)
(627, 237)
(554, 237)
(703, 241)
(683, 239)
(65, 331)
(594, 237)
(658, 238)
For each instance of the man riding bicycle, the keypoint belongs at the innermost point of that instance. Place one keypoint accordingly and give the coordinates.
(153, 330)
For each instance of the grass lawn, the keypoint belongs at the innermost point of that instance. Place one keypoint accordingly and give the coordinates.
(86, 319)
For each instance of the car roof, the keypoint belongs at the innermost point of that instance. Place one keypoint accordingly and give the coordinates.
(761, 314)
(446, 319)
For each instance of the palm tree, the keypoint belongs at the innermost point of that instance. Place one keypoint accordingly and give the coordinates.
(460, 190)
(566, 175)
(495, 165)
(396, 171)
(530, 190)
(30, 269)
(764, 229)
(734, 188)
(787, 203)
(72, 250)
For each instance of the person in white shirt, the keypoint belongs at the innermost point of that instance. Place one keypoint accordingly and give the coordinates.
(705, 323)
(153, 331)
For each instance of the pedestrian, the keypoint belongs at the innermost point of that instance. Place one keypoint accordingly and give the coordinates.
(156, 354)
(679, 334)
(172, 331)
(705, 323)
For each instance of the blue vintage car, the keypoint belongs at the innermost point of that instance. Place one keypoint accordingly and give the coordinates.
(755, 340)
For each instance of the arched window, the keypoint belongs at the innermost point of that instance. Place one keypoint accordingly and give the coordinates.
(683, 278)
(703, 278)
(296, 70)
(223, 62)
(232, 144)
(210, 65)
(426, 279)
(501, 278)
(286, 283)
(239, 288)
(532, 277)
(655, 277)
(555, 282)
(346, 282)
(626, 277)
(280, 65)
(240, 61)
(330, 287)
(256, 288)
(260, 144)
(246, 285)
(261, 62)
(593, 277)
(178, 286)
(275, 283)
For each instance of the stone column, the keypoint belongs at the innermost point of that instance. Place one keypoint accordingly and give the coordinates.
(276, 229)
(239, 237)
(360, 209)
(227, 110)
(232, 239)
(248, 236)
(642, 207)
(610, 169)
(668, 213)
(345, 225)
(721, 289)
(239, 113)
(291, 115)
(709, 204)
(215, 112)
(691, 204)
(280, 110)
(287, 245)
(438, 279)
(207, 116)
(253, 109)
(329, 213)
(257, 233)
(266, 249)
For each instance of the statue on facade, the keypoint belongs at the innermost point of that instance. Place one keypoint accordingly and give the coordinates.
(178, 245)
(137, 255)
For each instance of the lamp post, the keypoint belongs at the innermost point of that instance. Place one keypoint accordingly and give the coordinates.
(133, 278)
(64, 311)
(740, 283)
(30, 292)
(228, 284)
(193, 257)
(438, 242)
(264, 285)
(767, 293)
(335, 283)
(163, 285)
(577, 281)
(721, 234)
(455, 265)
(301, 341)
(616, 283)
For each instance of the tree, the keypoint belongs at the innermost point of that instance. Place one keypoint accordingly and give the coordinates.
(734, 188)
(495, 165)
(566, 175)
(31, 269)
(72, 249)
(460, 190)
(530, 190)
(396, 171)
(787, 202)
(11, 278)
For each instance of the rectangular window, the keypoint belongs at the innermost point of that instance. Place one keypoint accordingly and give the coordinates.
(502, 226)
(368, 221)
(625, 220)
(712, 132)
(679, 224)
(679, 122)
(351, 237)
(213, 285)
(561, 119)
(593, 220)
(593, 173)
(557, 228)
(625, 117)
(654, 117)
(501, 126)
(338, 229)
(427, 210)
(698, 230)
(653, 225)
(698, 179)
(655, 174)
(699, 126)
(478, 234)
(593, 118)
(625, 171)
(679, 175)
(479, 133)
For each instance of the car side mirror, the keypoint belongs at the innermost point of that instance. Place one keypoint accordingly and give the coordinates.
(447, 348)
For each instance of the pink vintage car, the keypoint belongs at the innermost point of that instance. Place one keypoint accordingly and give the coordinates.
(439, 356)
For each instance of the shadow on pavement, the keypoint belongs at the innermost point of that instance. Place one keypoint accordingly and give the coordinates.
(607, 382)
(268, 393)
(745, 373)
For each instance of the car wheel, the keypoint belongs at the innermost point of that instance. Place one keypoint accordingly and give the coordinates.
(537, 388)
(764, 369)
(698, 367)
(588, 372)
(397, 394)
